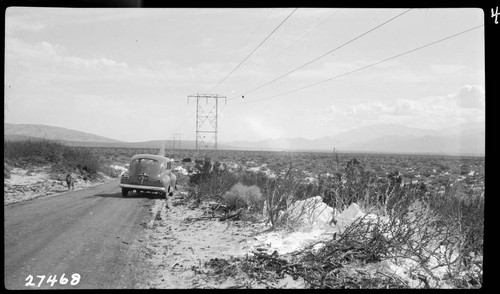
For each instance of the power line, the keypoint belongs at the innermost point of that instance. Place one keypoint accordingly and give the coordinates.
(370, 65)
(254, 50)
(246, 41)
(327, 53)
(306, 33)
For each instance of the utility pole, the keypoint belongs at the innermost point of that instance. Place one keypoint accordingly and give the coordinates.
(176, 141)
(206, 120)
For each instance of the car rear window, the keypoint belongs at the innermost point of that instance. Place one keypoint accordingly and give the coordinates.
(147, 165)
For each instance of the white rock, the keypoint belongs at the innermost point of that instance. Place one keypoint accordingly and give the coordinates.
(311, 211)
(350, 214)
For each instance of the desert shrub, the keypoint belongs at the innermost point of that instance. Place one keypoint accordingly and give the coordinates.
(441, 167)
(82, 159)
(253, 190)
(210, 180)
(242, 196)
(355, 184)
(201, 171)
(34, 151)
(254, 199)
(306, 190)
(50, 152)
(279, 195)
(258, 179)
(364, 187)
(465, 208)
(234, 199)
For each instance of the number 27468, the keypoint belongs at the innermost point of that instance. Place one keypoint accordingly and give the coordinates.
(52, 280)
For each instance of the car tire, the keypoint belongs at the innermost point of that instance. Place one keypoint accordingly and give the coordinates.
(124, 192)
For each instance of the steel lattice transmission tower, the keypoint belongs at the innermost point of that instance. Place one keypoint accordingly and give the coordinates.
(206, 120)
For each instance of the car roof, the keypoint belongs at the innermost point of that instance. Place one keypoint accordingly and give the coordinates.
(151, 156)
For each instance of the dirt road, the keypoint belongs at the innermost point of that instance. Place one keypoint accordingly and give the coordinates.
(101, 240)
(95, 233)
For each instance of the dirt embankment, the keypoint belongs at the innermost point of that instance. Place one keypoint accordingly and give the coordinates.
(39, 181)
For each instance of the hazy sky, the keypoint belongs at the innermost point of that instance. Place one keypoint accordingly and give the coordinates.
(126, 73)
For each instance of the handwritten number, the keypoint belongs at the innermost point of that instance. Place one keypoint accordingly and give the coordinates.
(30, 281)
(494, 14)
(52, 280)
(75, 279)
(42, 277)
(63, 280)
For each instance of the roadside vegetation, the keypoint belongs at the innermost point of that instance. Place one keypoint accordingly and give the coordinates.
(62, 159)
(428, 228)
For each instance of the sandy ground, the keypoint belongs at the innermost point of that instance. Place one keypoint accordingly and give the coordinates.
(179, 247)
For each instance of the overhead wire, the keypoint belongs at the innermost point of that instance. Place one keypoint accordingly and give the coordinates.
(246, 41)
(305, 34)
(268, 36)
(325, 54)
(367, 66)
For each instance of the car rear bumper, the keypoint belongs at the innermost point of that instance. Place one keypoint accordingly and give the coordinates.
(143, 188)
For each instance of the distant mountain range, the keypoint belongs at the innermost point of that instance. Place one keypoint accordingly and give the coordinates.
(16, 132)
(466, 139)
(388, 138)
(52, 133)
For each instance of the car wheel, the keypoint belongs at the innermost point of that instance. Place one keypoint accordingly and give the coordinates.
(124, 192)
